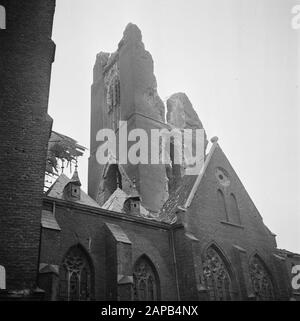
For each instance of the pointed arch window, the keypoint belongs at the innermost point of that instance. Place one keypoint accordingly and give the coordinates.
(234, 210)
(75, 276)
(222, 204)
(261, 280)
(216, 276)
(145, 281)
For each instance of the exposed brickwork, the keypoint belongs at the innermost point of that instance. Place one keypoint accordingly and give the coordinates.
(26, 56)
(176, 250)
(185, 265)
(206, 220)
(79, 223)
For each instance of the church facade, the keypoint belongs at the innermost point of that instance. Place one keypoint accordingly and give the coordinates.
(149, 232)
(142, 232)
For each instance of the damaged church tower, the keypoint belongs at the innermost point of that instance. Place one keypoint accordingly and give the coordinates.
(124, 88)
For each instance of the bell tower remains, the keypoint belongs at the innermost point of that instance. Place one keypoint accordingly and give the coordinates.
(124, 88)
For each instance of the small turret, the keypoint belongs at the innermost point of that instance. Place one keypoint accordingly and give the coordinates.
(72, 190)
(132, 204)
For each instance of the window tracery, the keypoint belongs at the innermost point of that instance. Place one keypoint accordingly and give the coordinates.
(216, 277)
(145, 287)
(261, 280)
(75, 277)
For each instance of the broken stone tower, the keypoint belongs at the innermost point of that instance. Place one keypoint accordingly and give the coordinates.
(125, 88)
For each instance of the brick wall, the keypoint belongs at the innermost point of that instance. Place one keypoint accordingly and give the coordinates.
(206, 220)
(79, 223)
(27, 53)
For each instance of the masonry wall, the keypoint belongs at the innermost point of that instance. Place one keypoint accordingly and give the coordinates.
(206, 221)
(185, 264)
(27, 53)
(80, 223)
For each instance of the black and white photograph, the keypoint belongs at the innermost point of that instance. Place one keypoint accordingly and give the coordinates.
(149, 151)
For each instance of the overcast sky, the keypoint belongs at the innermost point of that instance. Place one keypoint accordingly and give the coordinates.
(237, 60)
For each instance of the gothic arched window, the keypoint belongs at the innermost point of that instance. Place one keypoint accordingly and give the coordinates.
(216, 276)
(234, 210)
(146, 283)
(261, 280)
(75, 276)
(222, 205)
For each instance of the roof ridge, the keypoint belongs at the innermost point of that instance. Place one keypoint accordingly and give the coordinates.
(201, 173)
(54, 183)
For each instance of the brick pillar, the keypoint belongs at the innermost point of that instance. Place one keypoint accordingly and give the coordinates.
(243, 276)
(283, 282)
(119, 274)
(27, 53)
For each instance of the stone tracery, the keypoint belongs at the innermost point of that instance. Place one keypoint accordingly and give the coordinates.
(216, 276)
(145, 287)
(75, 276)
(261, 280)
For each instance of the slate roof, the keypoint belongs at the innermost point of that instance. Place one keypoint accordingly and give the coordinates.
(115, 201)
(288, 253)
(185, 193)
(75, 178)
(48, 268)
(118, 233)
(57, 191)
(48, 221)
(177, 198)
(182, 196)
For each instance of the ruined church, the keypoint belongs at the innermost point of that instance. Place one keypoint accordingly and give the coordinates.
(142, 232)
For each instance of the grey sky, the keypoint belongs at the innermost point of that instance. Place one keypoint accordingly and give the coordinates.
(237, 60)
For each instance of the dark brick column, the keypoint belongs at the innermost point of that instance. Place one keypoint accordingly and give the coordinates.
(119, 274)
(26, 56)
